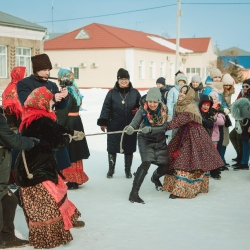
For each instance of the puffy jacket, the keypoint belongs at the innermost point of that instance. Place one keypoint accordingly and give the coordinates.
(219, 120)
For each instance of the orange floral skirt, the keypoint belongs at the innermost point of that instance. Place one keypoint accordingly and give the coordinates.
(187, 184)
(75, 173)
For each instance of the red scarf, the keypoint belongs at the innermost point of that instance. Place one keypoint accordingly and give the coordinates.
(37, 106)
(10, 97)
(203, 110)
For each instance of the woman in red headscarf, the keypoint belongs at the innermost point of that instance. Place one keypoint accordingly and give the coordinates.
(13, 109)
(11, 104)
(43, 193)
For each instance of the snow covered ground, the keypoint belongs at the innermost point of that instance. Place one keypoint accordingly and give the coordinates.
(215, 221)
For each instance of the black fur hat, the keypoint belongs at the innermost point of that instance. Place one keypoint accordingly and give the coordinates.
(40, 62)
(122, 73)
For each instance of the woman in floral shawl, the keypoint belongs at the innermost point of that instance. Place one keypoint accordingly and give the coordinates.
(151, 118)
(70, 118)
(191, 151)
(49, 213)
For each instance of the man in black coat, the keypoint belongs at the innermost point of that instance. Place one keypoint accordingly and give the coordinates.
(9, 140)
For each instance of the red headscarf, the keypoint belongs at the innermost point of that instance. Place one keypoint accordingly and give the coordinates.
(37, 105)
(10, 97)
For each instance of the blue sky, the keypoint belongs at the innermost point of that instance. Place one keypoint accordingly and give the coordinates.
(227, 24)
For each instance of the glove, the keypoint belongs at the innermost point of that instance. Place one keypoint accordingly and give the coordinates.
(78, 135)
(35, 140)
(103, 128)
(146, 130)
(134, 111)
(226, 111)
(129, 130)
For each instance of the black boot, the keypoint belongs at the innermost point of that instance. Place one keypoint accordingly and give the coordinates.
(128, 158)
(138, 180)
(242, 167)
(158, 173)
(112, 160)
(16, 242)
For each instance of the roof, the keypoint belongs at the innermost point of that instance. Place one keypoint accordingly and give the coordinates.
(12, 21)
(239, 60)
(96, 35)
(234, 51)
(198, 45)
(54, 35)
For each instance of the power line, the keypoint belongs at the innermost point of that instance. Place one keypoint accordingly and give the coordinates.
(132, 11)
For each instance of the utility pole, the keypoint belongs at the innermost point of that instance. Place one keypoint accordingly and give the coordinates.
(179, 13)
(52, 18)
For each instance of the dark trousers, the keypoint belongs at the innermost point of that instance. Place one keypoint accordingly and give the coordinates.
(236, 141)
(245, 152)
(8, 206)
(162, 169)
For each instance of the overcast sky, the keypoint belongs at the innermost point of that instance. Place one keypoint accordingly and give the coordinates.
(225, 21)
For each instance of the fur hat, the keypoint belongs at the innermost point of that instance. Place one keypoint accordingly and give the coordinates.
(227, 79)
(241, 109)
(247, 81)
(215, 72)
(154, 94)
(122, 73)
(40, 62)
(196, 78)
(161, 80)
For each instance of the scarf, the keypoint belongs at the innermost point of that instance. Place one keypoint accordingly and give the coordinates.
(188, 105)
(37, 106)
(154, 117)
(217, 86)
(73, 90)
(10, 97)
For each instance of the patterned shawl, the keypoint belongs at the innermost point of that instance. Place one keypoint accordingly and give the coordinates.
(73, 90)
(154, 118)
(10, 97)
(188, 105)
(37, 106)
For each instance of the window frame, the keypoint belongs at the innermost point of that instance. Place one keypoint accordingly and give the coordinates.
(141, 69)
(25, 58)
(76, 75)
(4, 75)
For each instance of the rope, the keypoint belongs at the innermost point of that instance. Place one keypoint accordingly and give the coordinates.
(30, 176)
(121, 149)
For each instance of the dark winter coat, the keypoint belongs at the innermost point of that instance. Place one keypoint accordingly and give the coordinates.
(207, 118)
(78, 150)
(116, 116)
(9, 140)
(164, 92)
(41, 160)
(152, 146)
(24, 88)
(28, 84)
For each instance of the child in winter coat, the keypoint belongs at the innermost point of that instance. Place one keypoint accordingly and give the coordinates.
(197, 86)
(205, 106)
(217, 132)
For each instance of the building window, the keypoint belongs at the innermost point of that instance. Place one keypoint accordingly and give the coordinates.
(171, 71)
(3, 61)
(75, 70)
(23, 58)
(190, 72)
(162, 69)
(141, 69)
(152, 70)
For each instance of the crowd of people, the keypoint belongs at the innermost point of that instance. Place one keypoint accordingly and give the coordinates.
(43, 145)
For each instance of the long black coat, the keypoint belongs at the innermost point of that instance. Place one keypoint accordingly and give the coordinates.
(41, 159)
(9, 140)
(116, 116)
(78, 150)
(152, 146)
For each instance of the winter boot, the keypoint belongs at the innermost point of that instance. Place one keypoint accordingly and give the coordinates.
(128, 158)
(15, 242)
(138, 180)
(242, 167)
(112, 160)
(158, 173)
